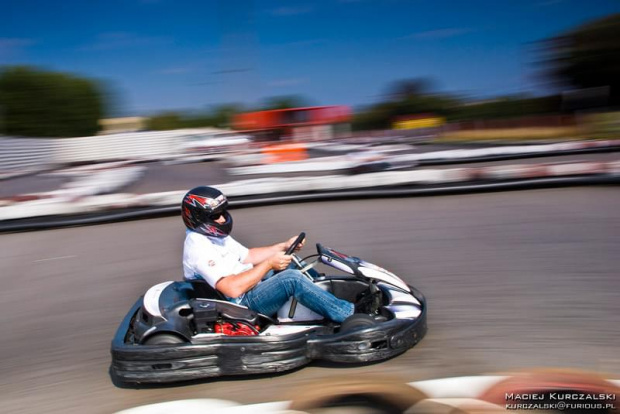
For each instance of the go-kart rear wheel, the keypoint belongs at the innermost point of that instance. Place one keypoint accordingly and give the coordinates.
(357, 321)
(164, 338)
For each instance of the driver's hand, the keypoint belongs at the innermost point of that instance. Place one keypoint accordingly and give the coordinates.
(291, 240)
(279, 261)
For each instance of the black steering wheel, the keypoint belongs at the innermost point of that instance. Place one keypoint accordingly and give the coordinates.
(288, 252)
(294, 245)
(292, 248)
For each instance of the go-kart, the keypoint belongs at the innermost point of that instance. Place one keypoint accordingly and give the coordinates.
(187, 330)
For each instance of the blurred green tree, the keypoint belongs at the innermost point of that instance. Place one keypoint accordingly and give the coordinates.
(512, 106)
(222, 115)
(40, 103)
(402, 98)
(587, 57)
(164, 121)
(414, 97)
(219, 116)
(284, 102)
(407, 89)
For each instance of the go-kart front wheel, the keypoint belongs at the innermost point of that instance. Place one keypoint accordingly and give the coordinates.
(357, 321)
(164, 339)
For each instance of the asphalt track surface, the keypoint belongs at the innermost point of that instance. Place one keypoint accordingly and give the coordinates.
(513, 280)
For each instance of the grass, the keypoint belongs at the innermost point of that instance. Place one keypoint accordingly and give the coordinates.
(514, 134)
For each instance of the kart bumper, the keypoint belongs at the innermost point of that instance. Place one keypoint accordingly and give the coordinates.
(236, 355)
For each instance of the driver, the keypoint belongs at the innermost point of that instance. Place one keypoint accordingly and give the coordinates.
(246, 276)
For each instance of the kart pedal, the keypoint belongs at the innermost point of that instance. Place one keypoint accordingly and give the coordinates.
(368, 302)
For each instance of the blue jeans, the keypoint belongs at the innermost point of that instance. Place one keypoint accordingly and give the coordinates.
(273, 292)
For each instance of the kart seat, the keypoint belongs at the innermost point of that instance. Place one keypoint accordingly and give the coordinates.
(205, 291)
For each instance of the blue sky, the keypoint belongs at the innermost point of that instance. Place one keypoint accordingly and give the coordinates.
(163, 54)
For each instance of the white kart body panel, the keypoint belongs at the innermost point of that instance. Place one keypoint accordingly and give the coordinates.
(151, 299)
(403, 305)
(368, 270)
(301, 314)
(337, 265)
(377, 273)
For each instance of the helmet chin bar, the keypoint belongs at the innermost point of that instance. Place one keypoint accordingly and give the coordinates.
(214, 229)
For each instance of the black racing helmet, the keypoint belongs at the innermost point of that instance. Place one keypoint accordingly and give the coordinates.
(201, 206)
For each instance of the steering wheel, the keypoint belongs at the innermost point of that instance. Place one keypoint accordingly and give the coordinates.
(292, 248)
(288, 252)
(296, 243)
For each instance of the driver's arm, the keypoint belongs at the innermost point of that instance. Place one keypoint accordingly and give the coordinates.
(234, 286)
(257, 255)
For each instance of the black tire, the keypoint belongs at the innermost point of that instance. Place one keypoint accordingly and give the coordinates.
(357, 321)
(164, 339)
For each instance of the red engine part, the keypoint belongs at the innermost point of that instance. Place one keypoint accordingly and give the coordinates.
(236, 329)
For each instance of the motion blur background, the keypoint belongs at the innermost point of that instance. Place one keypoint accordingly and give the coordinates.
(162, 96)
(545, 65)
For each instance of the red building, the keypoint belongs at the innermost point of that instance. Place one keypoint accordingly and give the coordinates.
(311, 123)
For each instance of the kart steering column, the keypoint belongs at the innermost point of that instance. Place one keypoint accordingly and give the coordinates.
(289, 252)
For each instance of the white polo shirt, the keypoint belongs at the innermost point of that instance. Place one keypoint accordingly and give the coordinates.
(212, 258)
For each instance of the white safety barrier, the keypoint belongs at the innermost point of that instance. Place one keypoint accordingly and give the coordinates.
(86, 193)
(333, 163)
(24, 154)
(135, 145)
(19, 155)
(91, 185)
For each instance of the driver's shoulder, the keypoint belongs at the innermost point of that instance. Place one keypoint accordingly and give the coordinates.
(193, 239)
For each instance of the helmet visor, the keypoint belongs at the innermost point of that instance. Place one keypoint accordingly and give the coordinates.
(216, 215)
